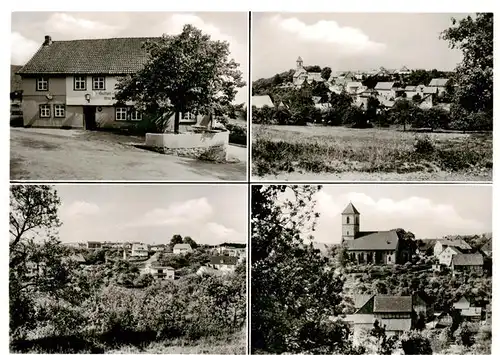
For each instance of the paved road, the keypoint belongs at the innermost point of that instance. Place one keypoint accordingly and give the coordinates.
(56, 154)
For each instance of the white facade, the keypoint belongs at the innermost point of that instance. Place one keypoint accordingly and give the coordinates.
(446, 255)
(139, 250)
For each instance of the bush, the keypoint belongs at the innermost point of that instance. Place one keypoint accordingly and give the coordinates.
(424, 146)
(414, 343)
(237, 134)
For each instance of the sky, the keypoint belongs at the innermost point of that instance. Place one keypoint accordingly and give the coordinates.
(350, 41)
(29, 28)
(210, 214)
(430, 211)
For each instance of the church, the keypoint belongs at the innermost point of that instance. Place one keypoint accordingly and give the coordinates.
(301, 74)
(375, 247)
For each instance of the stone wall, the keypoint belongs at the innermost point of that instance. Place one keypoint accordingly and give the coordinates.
(210, 145)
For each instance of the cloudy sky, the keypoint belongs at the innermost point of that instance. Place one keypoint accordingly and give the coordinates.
(210, 214)
(427, 211)
(350, 41)
(29, 29)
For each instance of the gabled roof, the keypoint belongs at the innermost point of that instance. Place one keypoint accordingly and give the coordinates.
(438, 82)
(467, 260)
(459, 243)
(183, 246)
(360, 300)
(392, 304)
(111, 56)
(316, 99)
(260, 101)
(223, 260)
(386, 240)
(488, 246)
(384, 85)
(350, 209)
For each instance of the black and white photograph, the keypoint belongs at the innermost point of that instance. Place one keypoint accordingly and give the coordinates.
(371, 269)
(372, 96)
(157, 269)
(129, 96)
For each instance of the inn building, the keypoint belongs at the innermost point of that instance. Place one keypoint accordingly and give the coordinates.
(72, 84)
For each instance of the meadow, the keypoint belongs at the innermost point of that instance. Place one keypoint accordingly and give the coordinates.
(324, 153)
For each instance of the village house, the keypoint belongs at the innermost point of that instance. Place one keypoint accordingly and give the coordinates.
(446, 256)
(93, 245)
(157, 247)
(378, 247)
(139, 250)
(467, 263)
(183, 248)
(487, 248)
(395, 313)
(439, 84)
(458, 243)
(261, 101)
(158, 271)
(467, 311)
(386, 90)
(223, 263)
(72, 84)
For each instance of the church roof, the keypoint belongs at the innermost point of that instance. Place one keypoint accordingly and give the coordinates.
(299, 59)
(350, 209)
(385, 240)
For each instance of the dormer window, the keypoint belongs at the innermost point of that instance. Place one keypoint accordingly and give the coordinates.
(42, 84)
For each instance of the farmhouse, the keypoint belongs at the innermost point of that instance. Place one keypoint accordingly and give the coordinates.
(378, 247)
(467, 263)
(386, 89)
(458, 243)
(395, 313)
(439, 84)
(73, 84)
(182, 248)
(467, 310)
(223, 263)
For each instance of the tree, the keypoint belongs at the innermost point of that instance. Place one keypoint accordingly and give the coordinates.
(176, 239)
(415, 343)
(187, 72)
(474, 75)
(38, 262)
(293, 289)
(190, 241)
(383, 344)
(326, 72)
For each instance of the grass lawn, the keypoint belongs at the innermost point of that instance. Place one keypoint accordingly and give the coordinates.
(305, 152)
(229, 344)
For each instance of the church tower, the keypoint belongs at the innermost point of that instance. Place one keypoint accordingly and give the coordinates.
(350, 223)
(300, 62)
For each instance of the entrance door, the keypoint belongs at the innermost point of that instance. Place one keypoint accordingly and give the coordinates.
(89, 117)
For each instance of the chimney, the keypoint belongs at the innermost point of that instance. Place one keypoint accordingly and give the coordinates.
(48, 41)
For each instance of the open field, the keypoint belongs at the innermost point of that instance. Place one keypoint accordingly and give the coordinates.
(339, 153)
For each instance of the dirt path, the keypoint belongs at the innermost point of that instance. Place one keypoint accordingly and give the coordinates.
(54, 154)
